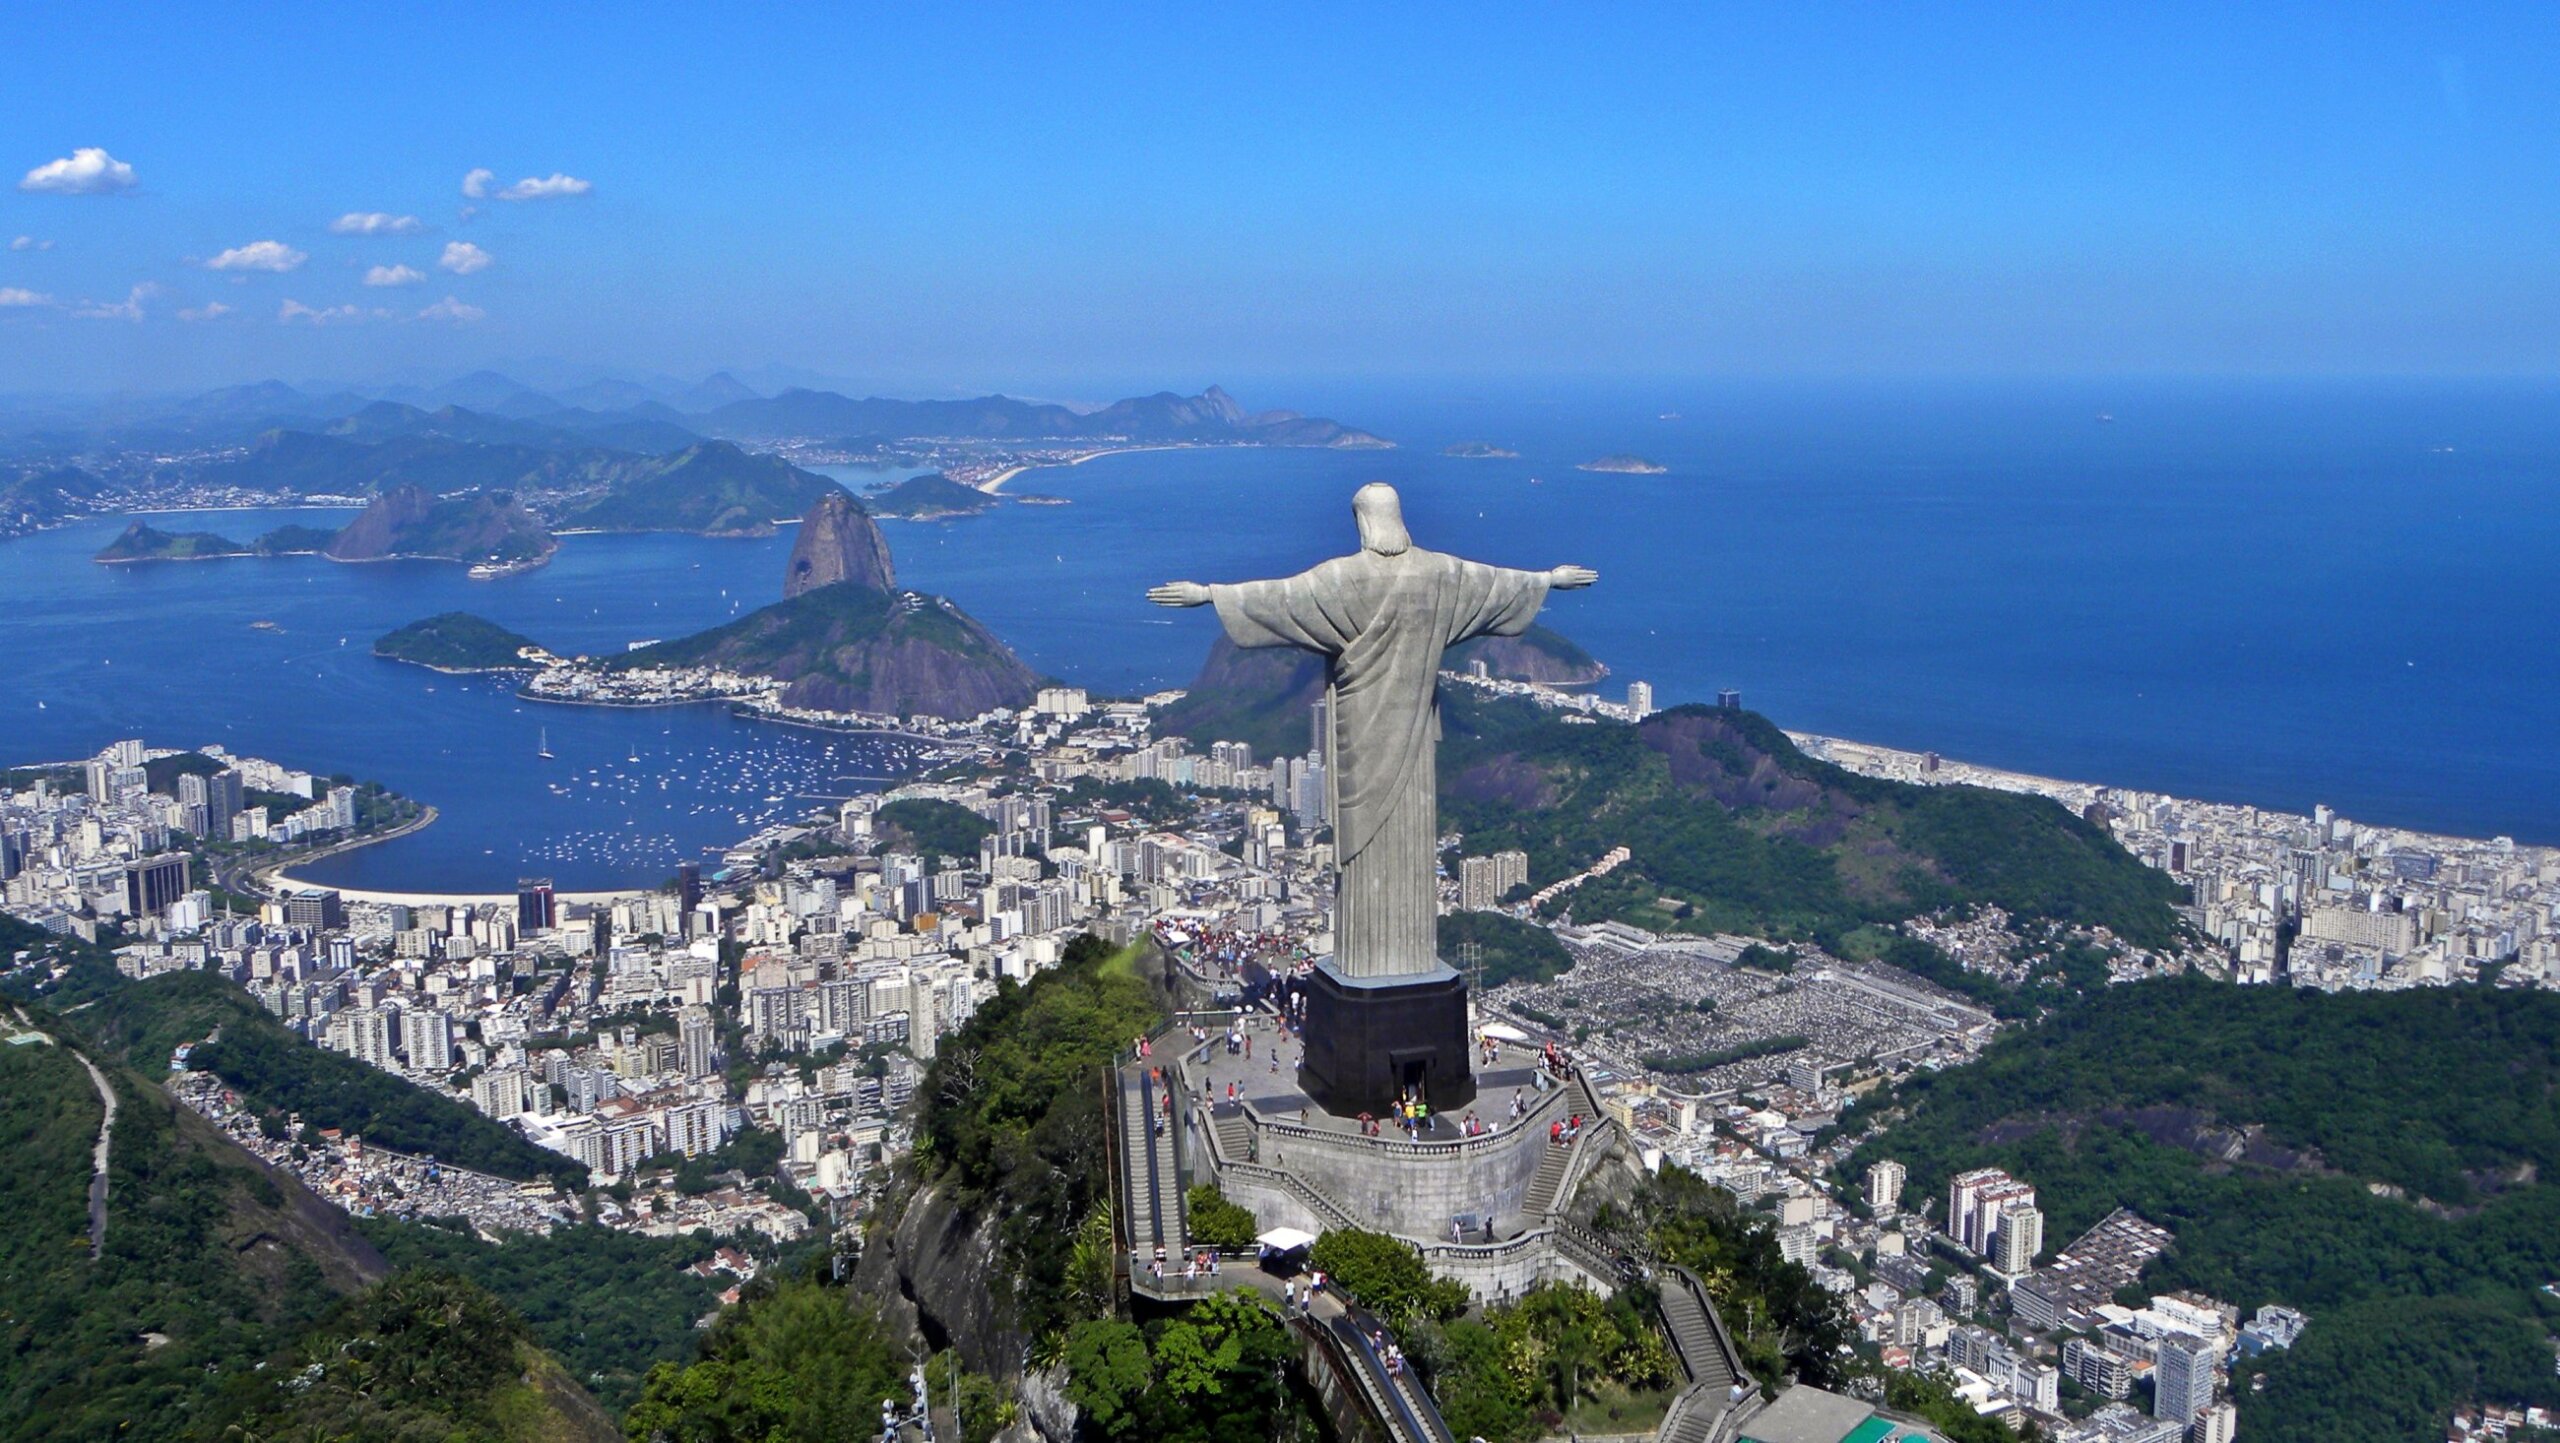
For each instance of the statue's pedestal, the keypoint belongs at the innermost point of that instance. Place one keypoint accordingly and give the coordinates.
(1368, 1039)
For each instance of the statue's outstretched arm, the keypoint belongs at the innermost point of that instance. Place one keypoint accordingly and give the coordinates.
(1179, 593)
(1571, 578)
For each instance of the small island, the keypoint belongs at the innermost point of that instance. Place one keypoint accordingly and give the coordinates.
(1479, 451)
(458, 641)
(141, 541)
(1626, 465)
(933, 497)
(475, 527)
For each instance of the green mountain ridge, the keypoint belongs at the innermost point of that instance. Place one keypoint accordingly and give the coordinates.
(712, 488)
(1732, 829)
(226, 1301)
(277, 1073)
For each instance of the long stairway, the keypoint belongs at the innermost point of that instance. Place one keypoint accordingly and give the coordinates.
(1154, 1193)
(1705, 1355)
(1540, 1198)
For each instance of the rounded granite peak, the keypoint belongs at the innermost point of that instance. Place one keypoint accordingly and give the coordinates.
(838, 541)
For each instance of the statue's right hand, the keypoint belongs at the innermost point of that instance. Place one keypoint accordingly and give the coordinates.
(1179, 593)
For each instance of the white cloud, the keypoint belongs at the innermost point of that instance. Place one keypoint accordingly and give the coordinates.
(553, 188)
(451, 309)
(12, 296)
(292, 311)
(268, 255)
(476, 184)
(206, 312)
(86, 171)
(462, 258)
(375, 222)
(394, 276)
(30, 243)
(128, 309)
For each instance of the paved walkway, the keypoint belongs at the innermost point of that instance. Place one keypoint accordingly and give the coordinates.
(98, 1162)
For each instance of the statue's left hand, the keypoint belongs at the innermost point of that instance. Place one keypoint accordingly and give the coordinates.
(1179, 593)
(1571, 578)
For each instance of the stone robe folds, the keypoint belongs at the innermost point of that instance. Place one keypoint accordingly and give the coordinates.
(1382, 622)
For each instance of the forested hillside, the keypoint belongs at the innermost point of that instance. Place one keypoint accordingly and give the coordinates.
(216, 1283)
(2377, 1160)
(279, 1073)
(1733, 829)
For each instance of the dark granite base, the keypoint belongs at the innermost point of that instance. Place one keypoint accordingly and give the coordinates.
(1366, 1043)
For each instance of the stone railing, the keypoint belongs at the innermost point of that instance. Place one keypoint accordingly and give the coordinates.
(1552, 1100)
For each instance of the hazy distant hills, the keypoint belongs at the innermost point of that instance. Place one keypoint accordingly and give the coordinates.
(711, 487)
(477, 526)
(1213, 415)
(631, 415)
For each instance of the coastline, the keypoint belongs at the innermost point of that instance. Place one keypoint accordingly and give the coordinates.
(274, 876)
(995, 484)
(278, 877)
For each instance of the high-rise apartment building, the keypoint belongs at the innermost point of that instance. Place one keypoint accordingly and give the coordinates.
(535, 905)
(2182, 1378)
(426, 1035)
(1975, 1201)
(1639, 700)
(152, 884)
(1884, 1188)
(2017, 1240)
(697, 1042)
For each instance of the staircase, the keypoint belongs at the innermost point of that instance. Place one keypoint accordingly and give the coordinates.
(1706, 1354)
(1154, 1193)
(1235, 1136)
(1540, 1199)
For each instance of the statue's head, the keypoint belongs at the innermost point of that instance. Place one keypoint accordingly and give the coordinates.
(1380, 513)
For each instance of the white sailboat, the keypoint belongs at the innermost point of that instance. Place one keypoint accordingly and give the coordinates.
(545, 751)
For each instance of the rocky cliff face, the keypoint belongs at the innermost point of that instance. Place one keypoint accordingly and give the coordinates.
(931, 1268)
(1537, 655)
(838, 542)
(408, 521)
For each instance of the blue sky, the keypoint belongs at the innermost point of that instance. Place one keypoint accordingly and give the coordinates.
(1071, 201)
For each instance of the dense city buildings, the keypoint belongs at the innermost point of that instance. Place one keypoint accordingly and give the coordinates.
(796, 986)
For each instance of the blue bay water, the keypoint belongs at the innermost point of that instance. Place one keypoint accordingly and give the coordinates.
(2283, 594)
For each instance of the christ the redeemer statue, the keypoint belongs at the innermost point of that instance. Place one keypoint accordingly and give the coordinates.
(1381, 619)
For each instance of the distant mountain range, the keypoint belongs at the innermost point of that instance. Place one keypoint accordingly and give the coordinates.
(625, 415)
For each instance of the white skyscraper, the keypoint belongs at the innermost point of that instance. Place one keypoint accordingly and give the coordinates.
(1639, 699)
(2183, 1379)
(2020, 1236)
(426, 1035)
(1884, 1188)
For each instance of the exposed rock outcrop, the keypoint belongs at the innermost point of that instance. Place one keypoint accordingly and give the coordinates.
(838, 542)
(408, 521)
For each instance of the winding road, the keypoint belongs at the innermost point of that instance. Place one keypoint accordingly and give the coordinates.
(106, 1136)
(98, 1162)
